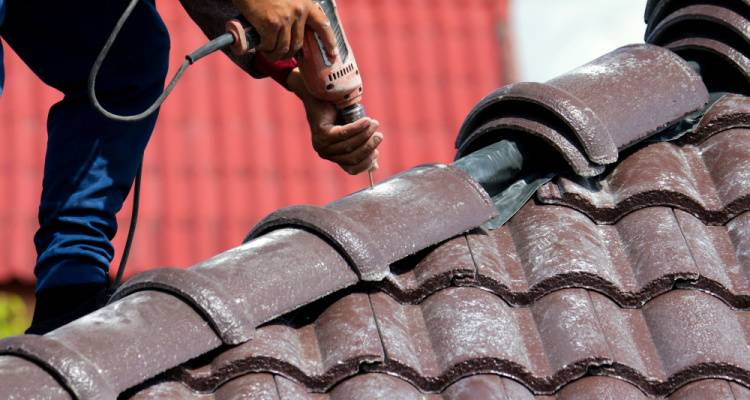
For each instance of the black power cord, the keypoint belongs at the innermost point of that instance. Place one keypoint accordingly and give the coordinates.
(212, 46)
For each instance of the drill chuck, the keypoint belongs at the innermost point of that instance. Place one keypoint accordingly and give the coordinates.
(352, 113)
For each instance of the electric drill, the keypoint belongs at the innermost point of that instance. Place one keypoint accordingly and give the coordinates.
(338, 82)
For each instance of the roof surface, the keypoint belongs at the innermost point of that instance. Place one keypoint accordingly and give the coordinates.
(653, 302)
(228, 150)
(630, 284)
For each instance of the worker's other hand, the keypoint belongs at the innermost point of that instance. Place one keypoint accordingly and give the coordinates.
(281, 25)
(353, 146)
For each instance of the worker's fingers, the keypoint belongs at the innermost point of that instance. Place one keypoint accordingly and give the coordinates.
(269, 36)
(338, 133)
(361, 153)
(363, 165)
(318, 22)
(298, 37)
(350, 144)
(283, 44)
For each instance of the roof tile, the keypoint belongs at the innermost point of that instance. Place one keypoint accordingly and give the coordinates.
(690, 328)
(546, 248)
(370, 228)
(458, 332)
(485, 387)
(707, 179)
(291, 255)
(318, 353)
(578, 114)
(713, 34)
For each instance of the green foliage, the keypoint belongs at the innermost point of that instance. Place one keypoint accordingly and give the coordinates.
(14, 316)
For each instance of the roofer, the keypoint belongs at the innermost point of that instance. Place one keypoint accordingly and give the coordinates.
(91, 161)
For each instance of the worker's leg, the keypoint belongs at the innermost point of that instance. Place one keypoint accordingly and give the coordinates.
(91, 161)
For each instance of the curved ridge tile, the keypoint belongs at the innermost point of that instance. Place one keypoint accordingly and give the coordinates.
(636, 91)
(656, 10)
(396, 218)
(708, 180)
(559, 139)
(594, 105)
(224, 286)
(716, 59)
(559, 339)
(229, 321)
(162, 332)
(349, 237)
(726, 18)
(592, 135)
(23, 379)
(79, 375)
(717, 37)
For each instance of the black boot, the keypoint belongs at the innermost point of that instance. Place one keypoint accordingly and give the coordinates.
(57, 306)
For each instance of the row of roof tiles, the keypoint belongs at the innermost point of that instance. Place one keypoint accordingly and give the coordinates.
(486, 387)
(458, 332)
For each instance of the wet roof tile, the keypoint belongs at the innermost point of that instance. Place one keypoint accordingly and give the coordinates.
(459, 332)
(712, 33)
(594, 111)
(708, 179)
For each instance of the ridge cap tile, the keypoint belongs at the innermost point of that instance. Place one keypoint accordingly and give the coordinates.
(79, 375)
(228, 320)
(718, 39)
(658, 87)
(369, 228)
(730, 19)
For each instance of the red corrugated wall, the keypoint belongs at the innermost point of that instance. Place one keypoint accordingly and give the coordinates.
(228, 150)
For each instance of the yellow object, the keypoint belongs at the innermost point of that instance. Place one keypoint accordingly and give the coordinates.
(14, 317)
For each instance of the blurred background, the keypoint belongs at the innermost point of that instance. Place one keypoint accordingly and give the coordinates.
(228, 150)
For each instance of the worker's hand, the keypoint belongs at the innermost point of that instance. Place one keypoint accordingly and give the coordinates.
(353, 147)
(281, 25)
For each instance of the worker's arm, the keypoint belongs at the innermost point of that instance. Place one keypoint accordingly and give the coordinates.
(353, 146)
(280, 24)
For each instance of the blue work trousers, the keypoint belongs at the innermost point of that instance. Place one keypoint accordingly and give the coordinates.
(91, 161)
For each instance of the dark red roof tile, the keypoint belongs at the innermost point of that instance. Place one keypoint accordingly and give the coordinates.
(372, 228)
(713, 34)
(459, 332)
(594, 111)
(485, 387)
(546, 248)
(707, 179)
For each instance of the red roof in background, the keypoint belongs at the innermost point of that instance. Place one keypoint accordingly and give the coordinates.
(228, 149)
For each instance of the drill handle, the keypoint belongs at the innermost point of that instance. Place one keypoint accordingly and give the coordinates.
(246, 38)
